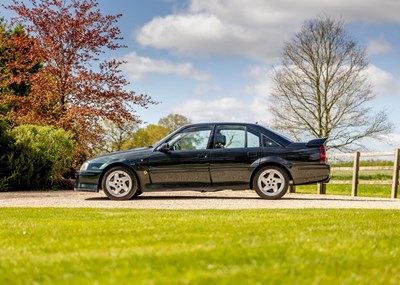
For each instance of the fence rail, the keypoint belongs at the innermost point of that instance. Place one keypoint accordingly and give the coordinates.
(364, 168)
(356, 169)
(364, 154)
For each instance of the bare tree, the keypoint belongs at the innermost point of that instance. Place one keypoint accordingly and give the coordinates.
(114, 135)
(322, 89)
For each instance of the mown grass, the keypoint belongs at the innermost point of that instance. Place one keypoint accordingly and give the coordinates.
(122, 246)
(366, 190)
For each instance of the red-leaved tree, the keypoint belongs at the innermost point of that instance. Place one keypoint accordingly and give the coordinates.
(19, 62)
(78, 87)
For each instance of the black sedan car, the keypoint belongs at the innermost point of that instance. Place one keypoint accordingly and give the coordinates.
(209, 157)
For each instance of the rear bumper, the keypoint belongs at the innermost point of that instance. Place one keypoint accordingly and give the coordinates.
(87, 181)
(307, 174)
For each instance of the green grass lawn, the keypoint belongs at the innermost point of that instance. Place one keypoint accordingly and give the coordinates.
(366, 190)
(125, 246)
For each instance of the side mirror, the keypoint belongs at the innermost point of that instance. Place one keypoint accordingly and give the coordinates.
(164, 147)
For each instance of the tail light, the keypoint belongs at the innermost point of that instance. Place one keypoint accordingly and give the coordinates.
(323, 158)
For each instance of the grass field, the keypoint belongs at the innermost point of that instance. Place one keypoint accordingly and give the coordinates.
(125, 246)
(367, 190)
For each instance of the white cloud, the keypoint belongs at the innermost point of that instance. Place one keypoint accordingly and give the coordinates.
(262, 81)
(194, 34)
(253, 28)
(384, 143)
(392, 139)
(224, 109)
(206, 89)
(227, 109)
(138, 66)
(260, 89)
(256, 12)
(379, 46)
(252, 106)
(384, 83)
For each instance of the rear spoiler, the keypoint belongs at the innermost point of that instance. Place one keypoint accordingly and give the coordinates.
(316, 142)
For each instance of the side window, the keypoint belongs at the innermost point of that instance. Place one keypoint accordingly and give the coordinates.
(236, 137)
(267, 142)
(253, 140)
(191, 139)
(233, 137)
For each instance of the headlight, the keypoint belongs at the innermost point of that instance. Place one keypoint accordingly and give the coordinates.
(84, 166)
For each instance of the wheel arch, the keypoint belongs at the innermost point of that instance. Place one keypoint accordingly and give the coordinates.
(115, 164)
(269, 163)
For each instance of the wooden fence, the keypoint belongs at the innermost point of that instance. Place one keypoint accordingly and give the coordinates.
(356, 169)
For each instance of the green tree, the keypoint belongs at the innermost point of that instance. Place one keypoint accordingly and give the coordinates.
(173, 122)
(146, 136)
(321, 88)
(153, 133)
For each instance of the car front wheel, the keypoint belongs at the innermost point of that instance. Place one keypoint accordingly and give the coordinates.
(120, 183)
(271, 182)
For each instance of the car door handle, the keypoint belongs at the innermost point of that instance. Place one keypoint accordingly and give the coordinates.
(252, 154)
(202, 156)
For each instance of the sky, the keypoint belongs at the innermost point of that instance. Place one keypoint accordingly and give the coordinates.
(211, 60)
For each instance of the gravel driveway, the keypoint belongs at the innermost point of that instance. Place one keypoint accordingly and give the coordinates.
(191, 200)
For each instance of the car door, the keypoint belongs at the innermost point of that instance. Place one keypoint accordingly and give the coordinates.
(186, 161)
(232, 153)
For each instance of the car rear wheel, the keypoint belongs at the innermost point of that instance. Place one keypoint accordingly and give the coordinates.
(120, 183)
(271, 182)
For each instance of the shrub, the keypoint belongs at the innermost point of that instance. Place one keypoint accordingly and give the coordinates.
(49, 147)
(30, 170)
(33, 157)
(7, 145)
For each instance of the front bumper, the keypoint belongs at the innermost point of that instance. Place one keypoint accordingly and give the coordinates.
(87, 181)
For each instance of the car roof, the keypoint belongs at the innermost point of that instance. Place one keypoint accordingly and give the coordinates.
(224, 123)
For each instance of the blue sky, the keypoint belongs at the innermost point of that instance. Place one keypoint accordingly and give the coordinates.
(211, 59)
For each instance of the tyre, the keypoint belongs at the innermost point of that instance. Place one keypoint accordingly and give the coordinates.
(120, 183)
(271, 182)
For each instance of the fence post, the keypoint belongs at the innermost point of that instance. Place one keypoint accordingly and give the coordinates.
(395, 184)
(356, 167)
(321, 188)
